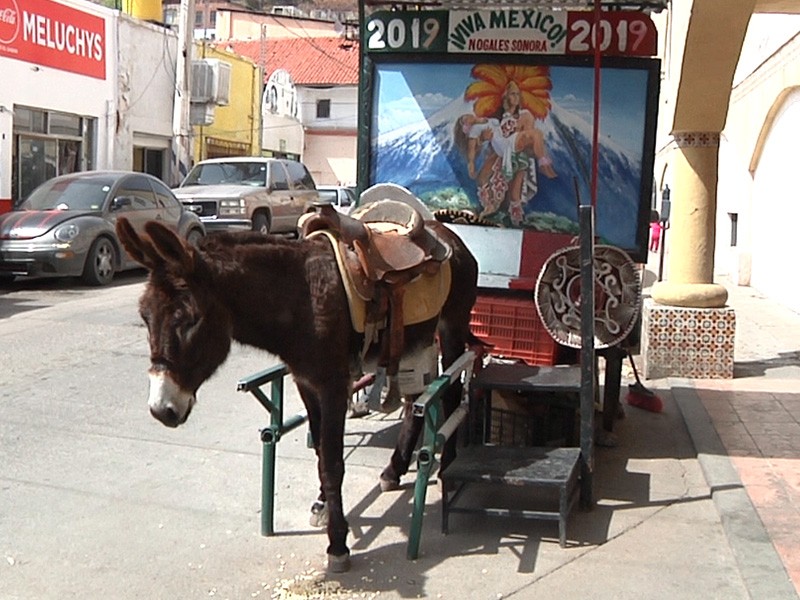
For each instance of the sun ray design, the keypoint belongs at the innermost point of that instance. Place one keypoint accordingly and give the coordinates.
(491, 80)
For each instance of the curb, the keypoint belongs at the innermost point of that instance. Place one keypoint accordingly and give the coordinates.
(761, 568)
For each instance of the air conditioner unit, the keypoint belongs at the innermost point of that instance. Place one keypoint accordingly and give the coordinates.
(211, 82)
(201, 114)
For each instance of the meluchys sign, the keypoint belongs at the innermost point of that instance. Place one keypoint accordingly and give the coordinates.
(510, 31)
(54, 35)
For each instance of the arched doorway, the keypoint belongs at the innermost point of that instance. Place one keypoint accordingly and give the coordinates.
(776, 206)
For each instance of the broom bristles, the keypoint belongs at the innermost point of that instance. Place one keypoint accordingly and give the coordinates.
(640, 397)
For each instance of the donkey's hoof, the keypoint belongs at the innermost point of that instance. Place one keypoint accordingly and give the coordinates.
(389, 485)
(391, 399)
(319, 515)
(358, 410)
(338, 564)
(605, 439)
(391, 405)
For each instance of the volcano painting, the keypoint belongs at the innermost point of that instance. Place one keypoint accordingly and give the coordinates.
(418, 114)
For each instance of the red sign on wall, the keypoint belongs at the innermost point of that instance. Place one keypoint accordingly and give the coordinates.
(54, 35)
(621, 33)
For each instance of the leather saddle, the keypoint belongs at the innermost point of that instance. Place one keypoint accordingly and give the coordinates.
(386, 245)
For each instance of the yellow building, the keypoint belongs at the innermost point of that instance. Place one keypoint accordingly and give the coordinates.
(236, 126)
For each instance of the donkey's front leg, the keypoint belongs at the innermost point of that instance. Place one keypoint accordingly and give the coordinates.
(326, 423)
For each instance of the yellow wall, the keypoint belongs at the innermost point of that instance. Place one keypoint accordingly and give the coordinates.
(239, 121)
(147, 10)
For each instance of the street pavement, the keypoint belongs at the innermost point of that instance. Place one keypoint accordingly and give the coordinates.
(98, 500)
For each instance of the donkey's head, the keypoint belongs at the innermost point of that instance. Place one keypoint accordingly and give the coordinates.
(189, 330)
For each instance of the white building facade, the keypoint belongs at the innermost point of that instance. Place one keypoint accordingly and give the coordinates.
(758, 192)
(145, 95)
(282, 132)
(329, 115)
(83, 87)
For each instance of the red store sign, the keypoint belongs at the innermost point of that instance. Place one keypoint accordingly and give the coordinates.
(54, 35)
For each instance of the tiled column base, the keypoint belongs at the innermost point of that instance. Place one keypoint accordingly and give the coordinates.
(696, 343)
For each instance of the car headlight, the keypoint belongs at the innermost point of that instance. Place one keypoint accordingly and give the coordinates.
(230, 208)
(67, 233)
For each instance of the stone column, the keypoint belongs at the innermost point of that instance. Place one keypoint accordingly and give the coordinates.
(687, 330)
(692, 225)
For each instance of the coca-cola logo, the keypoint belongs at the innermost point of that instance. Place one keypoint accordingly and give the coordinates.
(9, 21)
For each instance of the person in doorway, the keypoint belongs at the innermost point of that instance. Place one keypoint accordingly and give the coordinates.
(655, 235)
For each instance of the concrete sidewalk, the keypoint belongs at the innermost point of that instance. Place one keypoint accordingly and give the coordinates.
(747, 435)
(98, 500)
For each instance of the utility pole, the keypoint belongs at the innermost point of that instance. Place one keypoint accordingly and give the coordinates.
(181, 126)
(262, 68)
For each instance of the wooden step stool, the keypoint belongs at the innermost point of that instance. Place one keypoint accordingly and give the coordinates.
(531, 467)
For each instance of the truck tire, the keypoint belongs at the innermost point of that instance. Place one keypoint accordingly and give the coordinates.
(261, 223)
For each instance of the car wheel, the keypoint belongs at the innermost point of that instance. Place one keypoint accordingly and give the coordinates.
(194, 237)
(6, 278)
(100, 262)
(261, 223)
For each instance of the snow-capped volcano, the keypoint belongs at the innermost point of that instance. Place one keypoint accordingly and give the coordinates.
(423, 158)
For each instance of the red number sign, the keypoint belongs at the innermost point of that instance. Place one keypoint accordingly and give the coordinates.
(619, 33)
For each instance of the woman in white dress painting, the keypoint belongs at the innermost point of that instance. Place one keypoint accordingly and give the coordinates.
(508, 99)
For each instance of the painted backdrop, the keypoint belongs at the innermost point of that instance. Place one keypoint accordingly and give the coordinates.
(512, 143)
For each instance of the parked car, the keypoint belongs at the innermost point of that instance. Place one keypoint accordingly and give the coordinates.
(264, 194)
(343, 198)
(66, 227)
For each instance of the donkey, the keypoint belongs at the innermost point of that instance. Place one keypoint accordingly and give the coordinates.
(286, 297)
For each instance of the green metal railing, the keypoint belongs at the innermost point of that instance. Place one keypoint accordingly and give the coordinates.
(271, 434)
(428, 406)
(435, 434)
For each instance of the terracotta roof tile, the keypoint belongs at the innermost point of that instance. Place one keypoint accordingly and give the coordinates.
(310, 61)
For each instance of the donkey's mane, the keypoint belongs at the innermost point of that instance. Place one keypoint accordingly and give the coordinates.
(245, 238)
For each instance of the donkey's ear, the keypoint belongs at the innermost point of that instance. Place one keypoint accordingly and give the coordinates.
(170, 247)
(141, 250)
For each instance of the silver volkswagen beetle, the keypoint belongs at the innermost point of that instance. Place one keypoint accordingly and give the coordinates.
(66, 227)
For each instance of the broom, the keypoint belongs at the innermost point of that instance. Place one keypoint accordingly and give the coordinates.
(641, 397)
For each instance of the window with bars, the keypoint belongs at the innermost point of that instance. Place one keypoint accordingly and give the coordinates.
(324, 109)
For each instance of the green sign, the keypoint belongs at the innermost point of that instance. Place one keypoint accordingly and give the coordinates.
(407, 31)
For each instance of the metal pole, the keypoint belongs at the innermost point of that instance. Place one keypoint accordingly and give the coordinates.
(664, 220)
(181, 128)
(426, 461)
(588, 359)
(268, 486)
(262, 76)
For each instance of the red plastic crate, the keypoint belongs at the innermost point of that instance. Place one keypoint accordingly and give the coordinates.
(513, 326)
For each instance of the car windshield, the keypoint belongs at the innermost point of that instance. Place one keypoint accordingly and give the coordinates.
(70, 194)
(237, 173)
